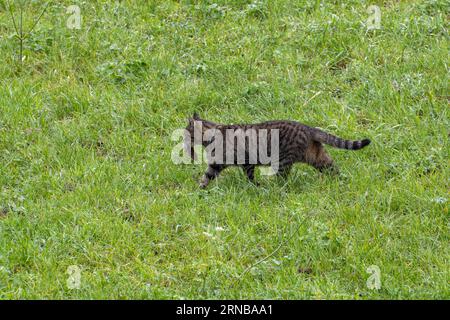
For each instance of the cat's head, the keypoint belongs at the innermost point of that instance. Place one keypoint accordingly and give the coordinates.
(191, 121)
(194, 125)
(201, 125)
(195, 131)
(193, 134)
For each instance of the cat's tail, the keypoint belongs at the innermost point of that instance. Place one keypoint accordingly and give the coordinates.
(323, 137)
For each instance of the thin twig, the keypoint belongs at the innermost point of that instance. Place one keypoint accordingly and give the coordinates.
(39, 18)
(12, 17)
(310, 99)
(21, 33)
(268, 256)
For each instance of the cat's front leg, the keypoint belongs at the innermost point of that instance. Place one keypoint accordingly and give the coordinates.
(250, 172)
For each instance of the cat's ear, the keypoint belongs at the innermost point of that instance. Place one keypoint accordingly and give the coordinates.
(196, 116)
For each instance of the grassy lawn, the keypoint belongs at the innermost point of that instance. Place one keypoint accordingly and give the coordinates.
(86, 177)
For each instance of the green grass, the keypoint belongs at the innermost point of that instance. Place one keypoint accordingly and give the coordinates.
(86, 177)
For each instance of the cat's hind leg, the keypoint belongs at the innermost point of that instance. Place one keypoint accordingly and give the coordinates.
(318, 157)
(284, 171)
(249, 170)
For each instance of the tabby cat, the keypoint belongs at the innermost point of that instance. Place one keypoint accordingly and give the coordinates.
(296, 143)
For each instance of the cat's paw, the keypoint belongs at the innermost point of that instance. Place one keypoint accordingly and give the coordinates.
(203, 183)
